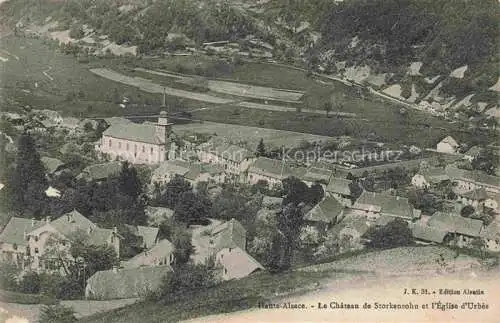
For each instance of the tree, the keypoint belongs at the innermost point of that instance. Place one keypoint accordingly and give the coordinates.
(128, 181)
(174, 190)
(289, 221)
(467, 211)
(192, 208)
(181, 239)
(316, 193)
(355, 190)
(29, 181)
(486, 161)
(187, 277)
(327, 106)
(261, 148)
(395, 234)
(296, 191)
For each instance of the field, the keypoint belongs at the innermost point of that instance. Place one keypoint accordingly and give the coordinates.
(39, 76)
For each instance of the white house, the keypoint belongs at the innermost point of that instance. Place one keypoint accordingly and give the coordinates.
(270, 170)
(429, 177)
(160, 254)
(28, 243)
(233, 159)
(448, 146)
(138, 143)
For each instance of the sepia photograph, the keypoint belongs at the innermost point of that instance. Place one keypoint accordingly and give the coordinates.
(249, 161)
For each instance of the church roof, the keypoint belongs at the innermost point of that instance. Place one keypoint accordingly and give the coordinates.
(133, 131)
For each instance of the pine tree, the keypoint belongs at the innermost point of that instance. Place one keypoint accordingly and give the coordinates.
(261, 148)
(29, 181)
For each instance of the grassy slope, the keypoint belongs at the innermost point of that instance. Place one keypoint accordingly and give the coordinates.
(246, 293)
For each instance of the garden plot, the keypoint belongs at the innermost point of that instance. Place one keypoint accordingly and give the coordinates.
(148, 86)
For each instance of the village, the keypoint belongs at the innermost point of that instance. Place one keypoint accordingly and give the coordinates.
(151, 200)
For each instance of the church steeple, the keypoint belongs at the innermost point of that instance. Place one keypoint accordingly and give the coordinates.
(162, 128)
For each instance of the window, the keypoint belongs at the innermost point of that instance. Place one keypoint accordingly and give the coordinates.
(36, 250)
(14, 246)
(110, 145)
(119, 145)
(36, 238)
(151, 150)
(127, 146)
(143, 149)
(225, 271)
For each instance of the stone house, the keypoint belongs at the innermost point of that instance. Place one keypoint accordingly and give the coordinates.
(447, 145)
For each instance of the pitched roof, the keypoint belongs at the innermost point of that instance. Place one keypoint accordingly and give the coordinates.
(70, 222)
(99, 236)
(148, 234)
(455, 223)
(14, 231)
(428, 233)
(352, 222)
(176, 166)
(237, 262)
(51, 164)
(133, 131)
(270, 167)
(229, 234)
(163, 248)
(473, 176)
(435, 174)
(126, 283)
(449, 140)
(101, 171)
(339, 186)
(327, 211)
(314, 174)
(389, 204)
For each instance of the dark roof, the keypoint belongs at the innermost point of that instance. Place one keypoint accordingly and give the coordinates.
(339, 186)
(101, 171)
(472, 176)
(144, 132)
(428, 233)
(71, 222)
(327, 211)
(353, 222)
(476, 195)
(388, 204)
(229, 234)
(270, 167)
(126, 283)
(456, 224)
(14, 231)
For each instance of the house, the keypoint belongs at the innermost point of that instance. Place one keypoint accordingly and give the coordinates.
(125, 283)
(340, 189)
(160, 254)
(149, 235)
(352, 227)
(429, 177)
(447, 146)
(427, 234)
(491, 236)
(233, 159)
(472, 153)
(193, 173)
(32, 241)
(270, 170)
(138, 143)
(373, 205)
(230, 234)
(325, 214)
(461, 228)
(100, 172)
(466, 180)
(235, 263)
(315, 175)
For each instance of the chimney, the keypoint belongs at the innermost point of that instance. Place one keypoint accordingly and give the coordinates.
(32, 222)
(397, 197)
(115, 230)
(115, 269)
(47, 219)
(89, 230)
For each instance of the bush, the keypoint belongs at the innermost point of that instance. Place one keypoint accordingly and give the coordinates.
(187, 277)
(57, 314)
(395, 234)
(30, 283)
(8, 274)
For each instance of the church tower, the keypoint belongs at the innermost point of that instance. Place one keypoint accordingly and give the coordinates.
(163, 129)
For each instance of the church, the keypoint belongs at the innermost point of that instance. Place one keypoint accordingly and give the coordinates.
(146, 143)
